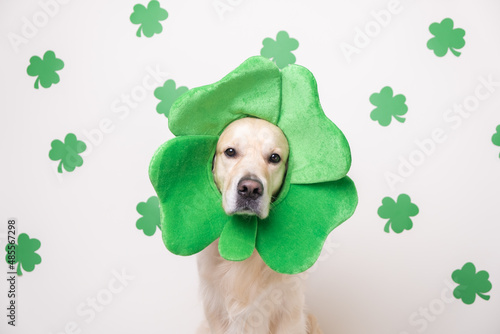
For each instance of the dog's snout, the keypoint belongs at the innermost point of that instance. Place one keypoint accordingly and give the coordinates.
(250, 188)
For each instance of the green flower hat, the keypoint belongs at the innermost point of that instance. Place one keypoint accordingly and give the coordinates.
(316, 197)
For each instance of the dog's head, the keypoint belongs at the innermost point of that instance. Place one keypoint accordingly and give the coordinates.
(249, 166)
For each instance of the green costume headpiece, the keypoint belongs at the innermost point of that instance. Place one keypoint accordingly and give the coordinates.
(316, 197)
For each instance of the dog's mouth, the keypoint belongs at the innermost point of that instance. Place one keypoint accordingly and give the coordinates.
(248, 207)
(249, 196)
(246, 198)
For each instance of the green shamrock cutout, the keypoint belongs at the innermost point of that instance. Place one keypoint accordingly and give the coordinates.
(398, 213)
(149, 18)
(388, 106)
(168, 94)
(68, 152)
(495, 139)
(25, 255)
(150, 219)
(279, 51)
(446, 38)
(45, 69)
(471, 283)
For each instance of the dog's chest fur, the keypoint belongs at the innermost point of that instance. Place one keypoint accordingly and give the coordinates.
(247, 293)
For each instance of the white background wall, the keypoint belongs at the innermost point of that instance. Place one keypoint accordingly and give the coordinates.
(369, 282)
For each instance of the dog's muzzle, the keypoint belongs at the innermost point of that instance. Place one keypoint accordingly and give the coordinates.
(249, 195)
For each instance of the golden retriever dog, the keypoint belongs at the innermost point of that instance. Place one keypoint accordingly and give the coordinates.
(248, 297)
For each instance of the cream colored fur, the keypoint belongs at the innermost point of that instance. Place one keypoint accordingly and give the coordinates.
(254, 141)
(248, 297)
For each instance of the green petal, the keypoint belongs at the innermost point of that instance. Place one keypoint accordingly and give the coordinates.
(165, 91)
(237, 241)
(47, 79)
(73, 160)
(142, 208)
(49, 56)
(386, 93)
(252, 89)
(458, 40)
(319, 150)
(401, 224)
(139, 14)
(23, 239)
(482, 283)
(437, 46)
(269, 48)
(80, 146)
(146, 226)
(191, 206)
(387, 209)
(36, 64)
(468, 296)
(156, 11)
(151, 28)
(446, 25)
(376, 99)
(70, 140)
(57, 64)
(34, 244)
(153, 6)
(284, 59)
(167, 94)
(435, 29)
(283, 39)
(57, 152)
(68, 166)
(291, 238)
(458, 274)
(51, 63)
(404, 201)
(30, 263)
(399, 101)
(381, 116)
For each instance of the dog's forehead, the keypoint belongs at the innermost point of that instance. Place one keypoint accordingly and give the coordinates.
(249, 130)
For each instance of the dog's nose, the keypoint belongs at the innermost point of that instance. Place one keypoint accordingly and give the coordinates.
(249, 188)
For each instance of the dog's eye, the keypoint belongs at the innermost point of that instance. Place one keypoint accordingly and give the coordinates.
(274, 158)
(230, 152)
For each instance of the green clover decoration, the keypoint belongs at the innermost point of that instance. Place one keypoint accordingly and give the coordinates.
(316, 197)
